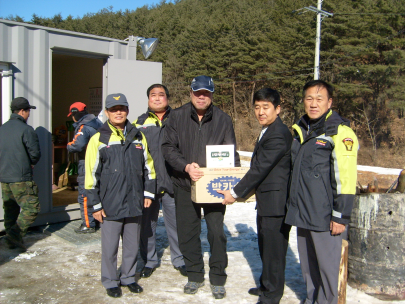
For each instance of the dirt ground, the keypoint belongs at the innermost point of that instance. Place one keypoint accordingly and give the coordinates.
(390, 153)
(55, 271)
(383, 181)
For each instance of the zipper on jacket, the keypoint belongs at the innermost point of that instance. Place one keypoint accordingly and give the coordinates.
(199, 141)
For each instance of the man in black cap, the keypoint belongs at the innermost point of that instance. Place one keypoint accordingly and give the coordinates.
(19, 152)
(86, 125)
(188, 130)
(119, 182)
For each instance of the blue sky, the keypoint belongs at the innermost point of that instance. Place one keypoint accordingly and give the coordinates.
(76, 8)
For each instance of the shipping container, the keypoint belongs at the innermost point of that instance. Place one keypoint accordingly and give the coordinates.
(53, 68)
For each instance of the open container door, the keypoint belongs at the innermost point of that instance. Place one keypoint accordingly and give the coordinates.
(131, 78)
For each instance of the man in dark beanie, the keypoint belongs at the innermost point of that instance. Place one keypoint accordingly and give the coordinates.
(86, 126)
(19, 152)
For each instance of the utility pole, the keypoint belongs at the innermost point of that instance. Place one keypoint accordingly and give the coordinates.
(318, 40)
(320, 15)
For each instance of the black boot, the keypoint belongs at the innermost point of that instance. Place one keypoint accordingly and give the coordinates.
(85, 229)
(13, 243)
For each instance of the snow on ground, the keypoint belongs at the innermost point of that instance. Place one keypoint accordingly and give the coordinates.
(379, 170)
(55, 271)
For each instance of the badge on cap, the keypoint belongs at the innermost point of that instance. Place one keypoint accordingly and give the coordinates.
(117, 98)
(348, 142)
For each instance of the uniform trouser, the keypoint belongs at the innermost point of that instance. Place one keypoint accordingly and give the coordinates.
(188, 216)
(129, 229)
(320, 254)
(87, 216)
(273, 236)
(148, 231)
(21, 207)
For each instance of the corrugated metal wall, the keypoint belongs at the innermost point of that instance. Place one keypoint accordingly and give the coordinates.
(30, 48)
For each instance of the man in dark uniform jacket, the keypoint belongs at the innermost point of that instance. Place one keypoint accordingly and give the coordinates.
(322, 190)
(119, 182)
(86, 125)
(268, 176)
(151, 125)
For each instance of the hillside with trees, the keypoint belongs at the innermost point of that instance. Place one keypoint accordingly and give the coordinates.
(246, 45)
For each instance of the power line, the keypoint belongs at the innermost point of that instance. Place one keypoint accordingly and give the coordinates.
(396, 14)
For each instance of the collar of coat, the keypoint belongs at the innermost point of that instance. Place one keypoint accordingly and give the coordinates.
(207, 116)
(149, 113)
(107, 129)
(17, 116)
(82, 121)
(270, 127)
(327, 125)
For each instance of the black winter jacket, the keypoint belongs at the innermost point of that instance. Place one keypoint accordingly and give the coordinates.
(269, 171)
(185, 138)
(323, 179)
(151, 126)
(119, 172)
(85, 128)
(19, 149)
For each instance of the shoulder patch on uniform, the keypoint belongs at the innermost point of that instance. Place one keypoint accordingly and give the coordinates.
(321, 142)
(348, 142)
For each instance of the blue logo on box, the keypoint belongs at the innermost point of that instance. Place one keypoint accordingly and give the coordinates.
(221, 183)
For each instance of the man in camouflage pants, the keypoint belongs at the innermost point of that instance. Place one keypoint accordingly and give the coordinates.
(19, 152)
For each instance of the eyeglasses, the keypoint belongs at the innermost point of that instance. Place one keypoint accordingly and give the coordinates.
(118, 109)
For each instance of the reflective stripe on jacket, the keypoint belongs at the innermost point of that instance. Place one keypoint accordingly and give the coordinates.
(85, 128)
(119, 172)
(324, 174)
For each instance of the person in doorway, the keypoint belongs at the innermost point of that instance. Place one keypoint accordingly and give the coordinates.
(19, 152)
(188, 130)
(151, 124)
(268, 175)
(120, 181)
(323, 185)
(86, 125)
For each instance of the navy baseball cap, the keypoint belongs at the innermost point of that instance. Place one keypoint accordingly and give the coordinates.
(117, 99)
(202, 83)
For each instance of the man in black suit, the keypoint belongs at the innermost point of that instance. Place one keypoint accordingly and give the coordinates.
(268, 175)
